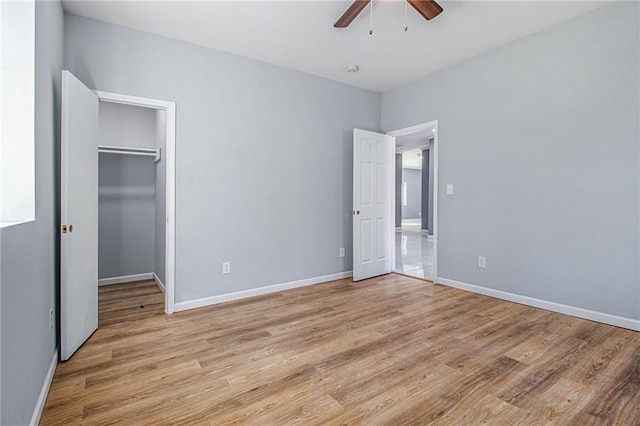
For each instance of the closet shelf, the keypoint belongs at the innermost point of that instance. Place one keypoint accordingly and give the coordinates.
(149, 152)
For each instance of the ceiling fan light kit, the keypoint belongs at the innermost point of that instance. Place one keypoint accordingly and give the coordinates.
(428, 9)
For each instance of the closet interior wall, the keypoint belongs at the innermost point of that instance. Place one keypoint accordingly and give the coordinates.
(131, 230)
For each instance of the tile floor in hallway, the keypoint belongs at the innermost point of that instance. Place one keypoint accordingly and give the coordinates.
(414, 250)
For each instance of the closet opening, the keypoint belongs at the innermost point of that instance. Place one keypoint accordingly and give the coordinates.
(136, 208)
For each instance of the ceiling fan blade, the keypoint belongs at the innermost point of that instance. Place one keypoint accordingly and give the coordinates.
(351, 13)
(429, 9)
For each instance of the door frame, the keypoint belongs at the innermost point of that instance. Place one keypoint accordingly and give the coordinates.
(170, 188)
(408, 131)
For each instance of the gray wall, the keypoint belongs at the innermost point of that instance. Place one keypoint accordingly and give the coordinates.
(431, 192)
(284, 221)
(132, 229)
(540, 138)
(426, 182)
(127, 125)
(413, 178)
(427, 187)
(29, 251)
(160, 200)
(398, 190)
(126, 208)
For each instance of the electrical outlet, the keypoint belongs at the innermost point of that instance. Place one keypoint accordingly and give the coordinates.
(342, 253)
(482, 262)
(226, 267)
(50, 319)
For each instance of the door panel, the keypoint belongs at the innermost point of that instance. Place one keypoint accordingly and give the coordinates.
(79, 213)
(373, 157)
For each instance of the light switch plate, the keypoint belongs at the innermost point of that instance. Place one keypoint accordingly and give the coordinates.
(449, 189)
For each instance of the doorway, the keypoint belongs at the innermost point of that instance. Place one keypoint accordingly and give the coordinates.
(416, 185)
(131, 210)
(79, 187)
(144, 153)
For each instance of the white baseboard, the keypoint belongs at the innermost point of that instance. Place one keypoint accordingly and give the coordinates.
(574, 311)
(125, 279)
(44, 391)
(159, 282)
(206, 301)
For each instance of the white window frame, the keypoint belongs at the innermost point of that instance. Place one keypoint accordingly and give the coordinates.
(17, 112)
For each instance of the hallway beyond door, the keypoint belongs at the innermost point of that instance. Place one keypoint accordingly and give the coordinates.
(414, 250)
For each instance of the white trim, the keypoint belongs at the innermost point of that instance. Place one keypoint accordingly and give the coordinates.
(44, 391)
(125, 279)
(170, 158)
(118, 98)
(212, 300)
(574, 311)
(170, 193)
(158, 281)
(8, 223)
(436, 171)
(415, 129)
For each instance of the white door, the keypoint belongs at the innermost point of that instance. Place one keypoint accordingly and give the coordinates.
(373, 162)
(79, 215)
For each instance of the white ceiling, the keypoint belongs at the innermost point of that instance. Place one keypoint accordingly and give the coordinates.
(299, 35)
(410, 146)
(418, 139)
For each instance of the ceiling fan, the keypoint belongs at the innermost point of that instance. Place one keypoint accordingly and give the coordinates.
(429, 9)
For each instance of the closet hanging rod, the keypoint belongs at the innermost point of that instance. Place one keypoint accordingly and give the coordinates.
(149, 152)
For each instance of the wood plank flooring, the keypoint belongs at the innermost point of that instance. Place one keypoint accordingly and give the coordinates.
(390, 350)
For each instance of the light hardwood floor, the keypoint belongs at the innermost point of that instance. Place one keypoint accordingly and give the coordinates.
(390, 350)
